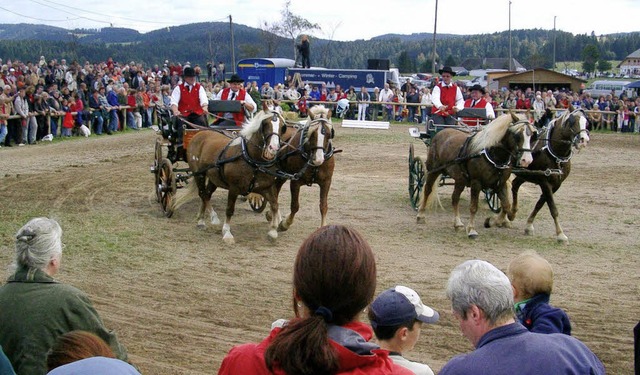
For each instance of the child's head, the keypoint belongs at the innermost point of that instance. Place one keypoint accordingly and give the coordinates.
(398, 314)
(530, 274)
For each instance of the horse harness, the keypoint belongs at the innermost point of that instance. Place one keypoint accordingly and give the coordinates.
(463, 157)
(306, 156)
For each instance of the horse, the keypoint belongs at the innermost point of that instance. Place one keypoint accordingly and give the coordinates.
(482, 160)
(307, 157)
(241, 165)
(553, 150)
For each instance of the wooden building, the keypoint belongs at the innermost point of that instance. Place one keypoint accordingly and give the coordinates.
(537, 79)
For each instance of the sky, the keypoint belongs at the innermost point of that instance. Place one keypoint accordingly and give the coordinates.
(343, 20)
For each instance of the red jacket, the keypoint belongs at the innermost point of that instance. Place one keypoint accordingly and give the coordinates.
(470, 121)
(237, 117)
(190, 101)
(249, 358)
(448, 98)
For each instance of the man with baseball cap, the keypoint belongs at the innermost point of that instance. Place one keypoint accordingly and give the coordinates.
(396, 318)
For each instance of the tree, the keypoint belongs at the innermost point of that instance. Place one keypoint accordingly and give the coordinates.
(269, 35)
(590, 55)
(405, 65)
(604, 65)
(449, 61)
(292, 25)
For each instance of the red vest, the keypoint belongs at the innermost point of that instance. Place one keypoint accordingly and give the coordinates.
(470, 121)
(448, 98)
(190, 101)
(237, 117)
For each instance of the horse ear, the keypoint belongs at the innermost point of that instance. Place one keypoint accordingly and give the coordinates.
(283, 128)
(333, 133)
(514, 117)
(329, 114)
(265, 106)
(571, 109)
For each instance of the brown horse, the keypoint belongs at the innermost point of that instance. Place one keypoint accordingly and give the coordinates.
(241, 165)
(553, 150)
(307, 157)
(481, 161)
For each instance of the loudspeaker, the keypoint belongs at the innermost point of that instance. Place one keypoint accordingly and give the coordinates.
(378, 64)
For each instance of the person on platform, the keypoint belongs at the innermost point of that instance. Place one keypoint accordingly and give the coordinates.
(303, 48)
(447, 98)
(477, 100)
(235, 91)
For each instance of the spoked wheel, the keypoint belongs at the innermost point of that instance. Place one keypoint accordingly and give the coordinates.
(492, 200)
(416, 177)
(257, 203)
(166, 187)
(156, 167)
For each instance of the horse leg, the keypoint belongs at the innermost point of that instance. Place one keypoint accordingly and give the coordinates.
(517, 182)
(324, 202)
(213, 216)
(560, 236)
(473, 209)
(501, 220)
(295, 206)
(429, 188)
(227, 236)
(271, 195)
(455, 202)
(205, 191)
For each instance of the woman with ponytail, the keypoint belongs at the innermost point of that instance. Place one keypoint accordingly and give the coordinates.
(334, 280)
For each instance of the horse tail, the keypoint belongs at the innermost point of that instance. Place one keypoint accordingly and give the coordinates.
(433, 200)
(191, 191)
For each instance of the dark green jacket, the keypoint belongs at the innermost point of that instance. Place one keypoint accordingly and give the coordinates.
(34, 310)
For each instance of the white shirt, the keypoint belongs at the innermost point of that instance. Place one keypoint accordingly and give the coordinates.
(247, 98)
(202, 95)
(435, 97)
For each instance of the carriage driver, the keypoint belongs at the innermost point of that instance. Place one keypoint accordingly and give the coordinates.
(189, 101)
(447, 98)
(235, 92)
(476, 100)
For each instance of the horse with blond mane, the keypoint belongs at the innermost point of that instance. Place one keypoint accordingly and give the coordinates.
(241, 165)
(482, 160)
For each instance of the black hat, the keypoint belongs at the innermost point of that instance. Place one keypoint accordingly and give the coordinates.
(235, 79)
(478, 88)
(189, 72)
(447, 69)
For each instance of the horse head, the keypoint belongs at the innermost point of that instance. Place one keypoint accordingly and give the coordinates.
(318, 135)
(269, 125)
(510, 132)
(576, 122)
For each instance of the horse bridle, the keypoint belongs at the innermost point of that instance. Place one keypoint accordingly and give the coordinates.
(266, 137)
(515, 154)
(575, 141)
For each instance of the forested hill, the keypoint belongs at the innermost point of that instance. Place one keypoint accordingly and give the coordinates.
(201, 42)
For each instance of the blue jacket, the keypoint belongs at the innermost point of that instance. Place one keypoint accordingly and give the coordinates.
(112, 98)
(538, 316)
(512, 349)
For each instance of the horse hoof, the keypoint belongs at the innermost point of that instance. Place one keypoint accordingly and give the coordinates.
(420, 220)
(487, 222)
(215, 222)
(528, 231)
(473, 235)
(228, 239)
(273, 235)
(282, 227)
(201, 225)
(562, 239)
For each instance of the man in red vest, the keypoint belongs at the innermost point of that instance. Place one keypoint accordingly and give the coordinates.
(189, 102)
(447, 98)
(477, 100)
(235, 91)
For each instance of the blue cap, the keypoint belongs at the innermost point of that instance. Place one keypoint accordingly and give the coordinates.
(398, 305)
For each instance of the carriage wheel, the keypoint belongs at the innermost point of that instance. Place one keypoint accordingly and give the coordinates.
(257, 203)
(492, 200)
(156, 167)
(166, 187)
(416, 178)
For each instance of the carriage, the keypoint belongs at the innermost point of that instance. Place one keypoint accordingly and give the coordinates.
(169, 176)
(417, 170)
(252, 161)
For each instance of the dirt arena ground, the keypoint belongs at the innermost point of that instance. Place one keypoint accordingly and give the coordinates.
(179, 299)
